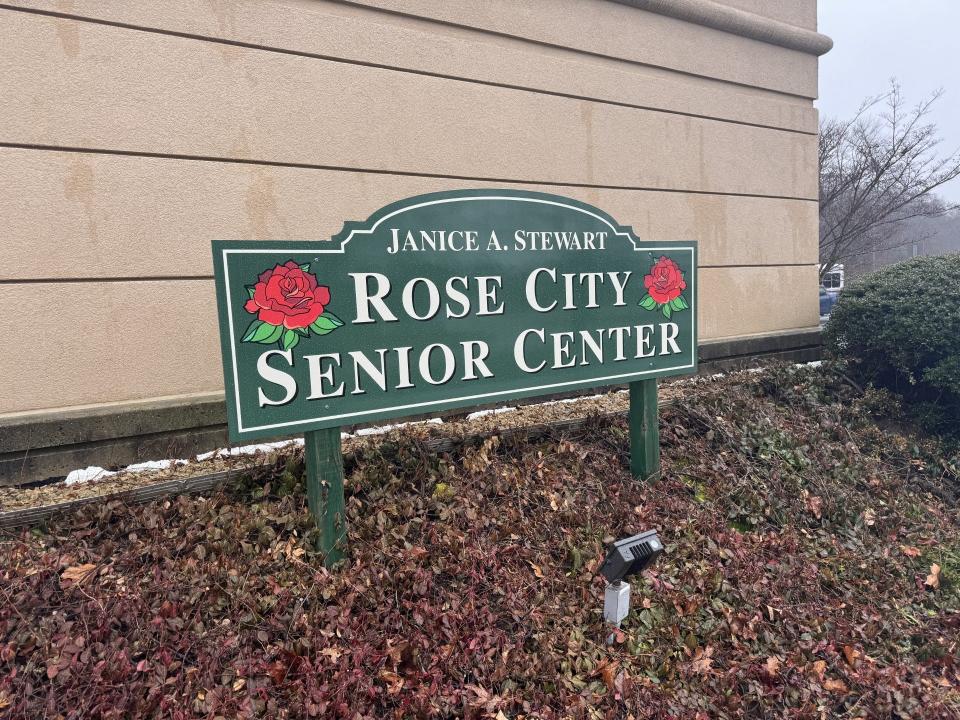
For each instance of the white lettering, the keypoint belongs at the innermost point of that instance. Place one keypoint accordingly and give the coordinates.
(619, 287)
(362, 362)
(318, 376)
(518, 350)
(365, 300)
(474, 354)
(643, 340)
(449, 364)
(408, 300)
(668, 337)
(277, 377)
(531, 289)
(561, 350)
(458, 297)
(487, 288)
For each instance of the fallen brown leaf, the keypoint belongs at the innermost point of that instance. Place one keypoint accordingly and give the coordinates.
(933, 579)
(77, 573)
(851, 654)
(608, 671)
(397, 652)
(394, 682)
(278, 671)
(703, 660)
(332, 653)
(834, 685)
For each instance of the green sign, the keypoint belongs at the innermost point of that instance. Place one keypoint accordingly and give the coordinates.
(444, 301)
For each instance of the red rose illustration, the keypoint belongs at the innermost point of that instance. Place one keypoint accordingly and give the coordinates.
(288, 296)
(664, 285)
(665, 281)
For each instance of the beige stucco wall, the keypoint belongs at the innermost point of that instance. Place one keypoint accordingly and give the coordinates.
(133, 134)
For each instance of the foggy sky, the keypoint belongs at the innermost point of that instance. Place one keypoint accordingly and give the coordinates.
(916, 41)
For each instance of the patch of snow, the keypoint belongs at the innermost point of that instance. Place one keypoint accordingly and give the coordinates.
(381, 429)
(700, 379)
(87, 474)
(484, 413)
(567, 401)
(153, 465)
(259, 448)
(249, 449)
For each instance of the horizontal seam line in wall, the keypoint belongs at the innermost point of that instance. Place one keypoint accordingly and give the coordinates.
(544, 43)
(120, 279)
(755, 265)
(374, 171)
(174, 278)
(425, 73)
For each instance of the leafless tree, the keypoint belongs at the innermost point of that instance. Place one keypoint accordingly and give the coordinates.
(878, 169)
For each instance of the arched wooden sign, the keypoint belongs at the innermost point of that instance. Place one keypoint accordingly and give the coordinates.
(443, 301)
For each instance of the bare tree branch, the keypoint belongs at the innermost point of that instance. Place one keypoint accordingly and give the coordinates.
(876, 171)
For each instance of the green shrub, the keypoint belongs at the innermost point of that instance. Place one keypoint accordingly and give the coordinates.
(899, 328)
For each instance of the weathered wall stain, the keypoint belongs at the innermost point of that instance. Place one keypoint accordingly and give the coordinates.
(78, 187)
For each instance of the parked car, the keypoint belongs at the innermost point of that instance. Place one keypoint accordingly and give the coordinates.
(827, 300)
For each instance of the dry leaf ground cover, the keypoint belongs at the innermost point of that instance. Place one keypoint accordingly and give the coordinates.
(812, 571)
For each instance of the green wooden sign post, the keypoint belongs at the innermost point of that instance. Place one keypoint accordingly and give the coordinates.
(324, 469)
(442, 301)
(644, 429)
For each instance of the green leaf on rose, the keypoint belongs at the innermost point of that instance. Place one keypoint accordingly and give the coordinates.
(320, 329)
(303, 331)
(678, 304)
(667, 312)
(261, 332)
(333, 318)
(305, 267)
(251, 329)
(251, 290)
(289, 340)
(648, 303)
(266, 334)
(325, 322)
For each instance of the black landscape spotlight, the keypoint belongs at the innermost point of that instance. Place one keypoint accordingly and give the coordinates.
(630, 556)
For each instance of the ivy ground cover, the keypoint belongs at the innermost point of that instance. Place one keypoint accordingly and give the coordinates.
(812, 570)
